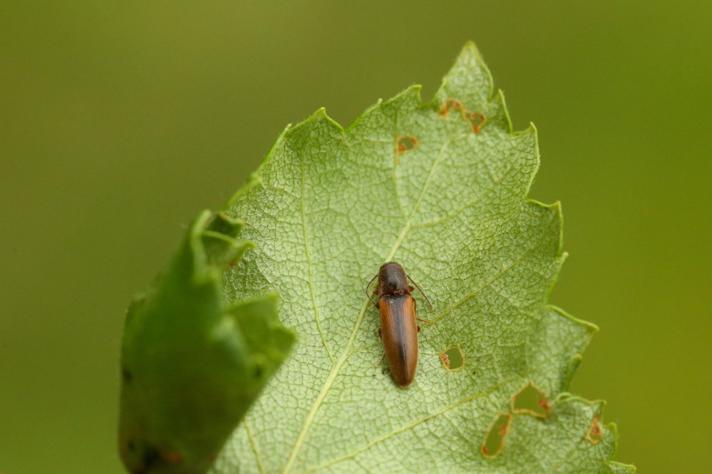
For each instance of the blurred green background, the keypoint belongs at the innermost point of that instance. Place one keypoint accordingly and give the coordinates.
(119, 121)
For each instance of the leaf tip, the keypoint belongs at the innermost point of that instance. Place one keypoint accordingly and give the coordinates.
(409, 98)
(321, 116)
(506, 119)
(470, 49)
(616, 467)
(469, 80)
(591, 327)
(319, 119)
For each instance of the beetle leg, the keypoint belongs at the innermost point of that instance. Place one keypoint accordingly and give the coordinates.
(374, 299)
(371, 294)
(415, 306)
(380, 360)
(421, 292)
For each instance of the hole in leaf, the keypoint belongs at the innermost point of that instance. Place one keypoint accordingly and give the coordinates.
(595, 432)
(452, 358)
(531, 401)
(494, 440)
(477, 120)
(406, 143)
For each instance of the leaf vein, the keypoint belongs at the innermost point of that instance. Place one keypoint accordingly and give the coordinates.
(310, 271)
(253, 445)
(410, 426)
(488, 283)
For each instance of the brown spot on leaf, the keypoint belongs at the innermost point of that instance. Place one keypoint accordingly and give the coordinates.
(595, 432)
(450, 104)
(477, 120)
(406, 143)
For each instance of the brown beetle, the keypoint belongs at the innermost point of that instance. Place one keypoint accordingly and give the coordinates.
(399, 330)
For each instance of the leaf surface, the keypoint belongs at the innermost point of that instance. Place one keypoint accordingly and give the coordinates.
(440, 187)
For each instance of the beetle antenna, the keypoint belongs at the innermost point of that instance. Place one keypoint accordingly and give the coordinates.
(421, 292)
(370, 294)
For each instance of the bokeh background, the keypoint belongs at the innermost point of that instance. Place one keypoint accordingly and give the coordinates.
(119, 121)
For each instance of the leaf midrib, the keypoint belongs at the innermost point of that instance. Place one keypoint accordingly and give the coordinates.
(346, 353)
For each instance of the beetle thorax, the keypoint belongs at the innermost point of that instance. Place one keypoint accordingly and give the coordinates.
(392, 280)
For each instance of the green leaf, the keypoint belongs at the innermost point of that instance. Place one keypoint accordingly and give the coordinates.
(441, 188)
(192, 364)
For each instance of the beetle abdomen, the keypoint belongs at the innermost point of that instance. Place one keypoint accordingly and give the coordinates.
(399, 332)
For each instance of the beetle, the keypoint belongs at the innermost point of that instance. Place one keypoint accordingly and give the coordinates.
(399, 330)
